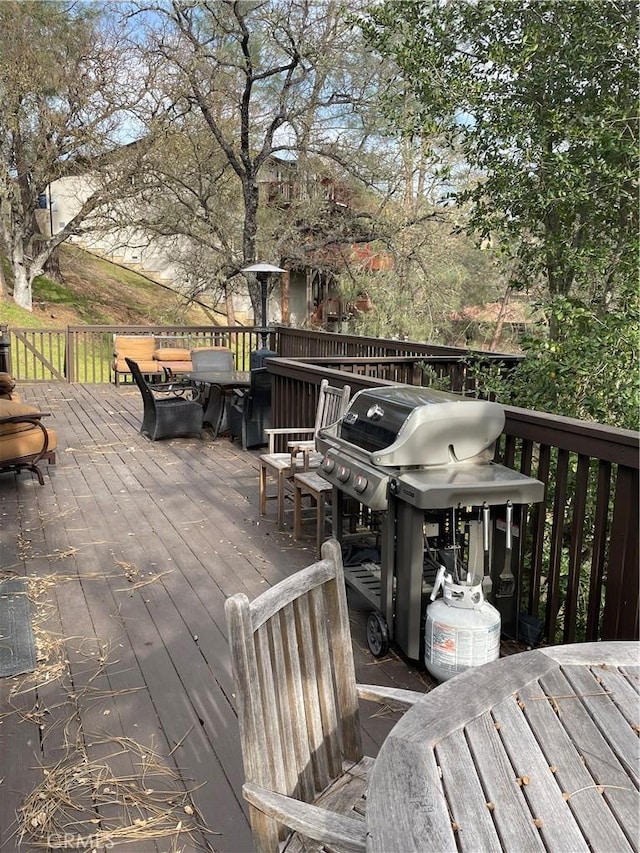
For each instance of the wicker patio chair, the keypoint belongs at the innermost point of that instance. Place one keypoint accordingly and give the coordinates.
(168, 410)
(212, 396)
(212, 359)
(297, 702)
(250, 410)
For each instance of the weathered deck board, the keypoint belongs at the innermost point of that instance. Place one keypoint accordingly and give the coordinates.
(145, 540)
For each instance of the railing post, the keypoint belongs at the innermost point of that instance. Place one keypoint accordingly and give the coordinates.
(69, 355)
(5, 349)
(620, 618)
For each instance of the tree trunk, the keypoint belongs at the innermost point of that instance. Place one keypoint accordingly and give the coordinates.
(228, 300)
(52, 265)
(500, 321)
(4, 290)
(21, 279)
(251, 196)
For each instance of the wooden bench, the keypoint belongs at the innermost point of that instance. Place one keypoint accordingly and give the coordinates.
(139, 348)
(157, 356)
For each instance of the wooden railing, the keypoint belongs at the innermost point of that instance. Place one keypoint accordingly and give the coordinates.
(85, 353)
(453, 372)
(305, 343)
(579, 548)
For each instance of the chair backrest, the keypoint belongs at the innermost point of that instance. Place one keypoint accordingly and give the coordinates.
(259, 357)
(147, 397)
(136, 347)
(295, 680)
(260, 387)
(212, 359)
(332, 404)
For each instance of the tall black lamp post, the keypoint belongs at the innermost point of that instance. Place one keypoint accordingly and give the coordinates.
(262, 272)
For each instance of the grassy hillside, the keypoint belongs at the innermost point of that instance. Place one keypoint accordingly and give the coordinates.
(95, 291)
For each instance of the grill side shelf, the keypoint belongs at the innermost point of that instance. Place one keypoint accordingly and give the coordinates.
(365, 582)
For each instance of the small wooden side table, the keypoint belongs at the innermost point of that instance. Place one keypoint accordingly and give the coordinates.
(320, 491)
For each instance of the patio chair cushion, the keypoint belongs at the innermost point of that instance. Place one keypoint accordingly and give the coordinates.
(7, 385)
(11, 408)
(141, 345)
(171, 354)
(139, 348)
(27, 442)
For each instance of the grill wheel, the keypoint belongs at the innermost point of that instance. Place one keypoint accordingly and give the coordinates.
(377, 634)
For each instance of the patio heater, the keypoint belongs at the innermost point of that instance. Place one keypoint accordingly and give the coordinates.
(262, 271)
(250, 413)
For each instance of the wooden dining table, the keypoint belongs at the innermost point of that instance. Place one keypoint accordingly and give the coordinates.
(535, 751)
(217, 384)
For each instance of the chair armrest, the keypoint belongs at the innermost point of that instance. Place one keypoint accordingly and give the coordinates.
(302, 444)
(273, 432)
(290, 430)
(375, 693)
(313, 822)
(26, 416)
(35, 419)
(177, 387)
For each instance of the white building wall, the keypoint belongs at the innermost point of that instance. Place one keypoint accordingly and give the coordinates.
(128, 246)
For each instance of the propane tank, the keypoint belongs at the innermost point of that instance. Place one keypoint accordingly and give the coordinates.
(461, 628)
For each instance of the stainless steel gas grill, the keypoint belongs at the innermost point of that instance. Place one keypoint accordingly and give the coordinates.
(421, 461)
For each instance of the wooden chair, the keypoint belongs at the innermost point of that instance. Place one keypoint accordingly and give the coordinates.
(297, 703)
(300, 442)
(167, 411)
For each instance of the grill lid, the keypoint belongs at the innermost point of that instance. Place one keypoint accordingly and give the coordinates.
(405, 425)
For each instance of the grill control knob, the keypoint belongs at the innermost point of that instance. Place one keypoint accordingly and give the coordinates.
(360, 483)
(375, 412)
(394, 486)
(328, 464)
(343, 473)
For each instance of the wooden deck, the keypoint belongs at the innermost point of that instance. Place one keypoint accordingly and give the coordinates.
(131, 548)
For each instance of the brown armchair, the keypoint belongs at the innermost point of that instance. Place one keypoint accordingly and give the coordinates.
(24, 439)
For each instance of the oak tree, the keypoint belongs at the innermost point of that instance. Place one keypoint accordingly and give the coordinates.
(65, 94)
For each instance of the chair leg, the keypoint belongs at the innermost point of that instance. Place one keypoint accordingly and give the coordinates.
(297, 510)
(262, 489)
(320, 519)
(281, 492)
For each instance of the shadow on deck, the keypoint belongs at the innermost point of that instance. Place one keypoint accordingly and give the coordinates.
(130, 549)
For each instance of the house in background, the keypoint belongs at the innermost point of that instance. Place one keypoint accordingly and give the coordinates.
(332, 243)
(307, 293)
(129, 247)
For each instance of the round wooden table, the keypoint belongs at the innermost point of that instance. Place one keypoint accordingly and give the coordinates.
(535, 751)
